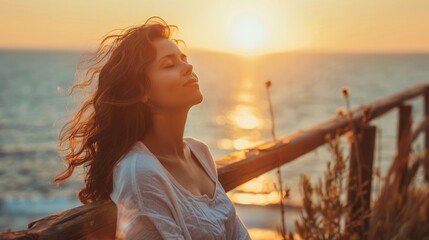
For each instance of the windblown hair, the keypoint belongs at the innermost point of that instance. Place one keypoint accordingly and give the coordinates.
(113, 117)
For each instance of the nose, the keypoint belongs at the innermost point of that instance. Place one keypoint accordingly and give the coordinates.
(188, 69)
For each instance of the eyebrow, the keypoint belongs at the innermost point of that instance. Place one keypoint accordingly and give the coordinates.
(172, 55)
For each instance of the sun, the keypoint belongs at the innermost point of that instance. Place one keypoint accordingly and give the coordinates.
(248, 32)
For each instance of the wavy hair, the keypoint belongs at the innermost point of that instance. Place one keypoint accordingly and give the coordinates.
(113, 117)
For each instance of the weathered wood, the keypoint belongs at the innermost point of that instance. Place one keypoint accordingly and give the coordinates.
(360, 181)
(404, 129)
(90, 221)
(423, 126)
(98, 220)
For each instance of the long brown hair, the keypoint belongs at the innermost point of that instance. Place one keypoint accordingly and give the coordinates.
(113, 117)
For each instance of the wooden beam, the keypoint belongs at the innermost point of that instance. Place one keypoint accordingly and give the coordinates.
(405, 121)
(360, 181)
(89, 221)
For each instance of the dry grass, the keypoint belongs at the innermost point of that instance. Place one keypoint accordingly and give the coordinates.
(401, 211)
(324, 203)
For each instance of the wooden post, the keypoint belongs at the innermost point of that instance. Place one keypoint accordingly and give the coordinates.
(426, 143)
(403, 139)
(404, 126)
(359, 192)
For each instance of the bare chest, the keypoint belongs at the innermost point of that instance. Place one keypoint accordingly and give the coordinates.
(193, 177)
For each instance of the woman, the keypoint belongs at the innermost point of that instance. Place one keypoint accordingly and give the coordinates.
(129, 136)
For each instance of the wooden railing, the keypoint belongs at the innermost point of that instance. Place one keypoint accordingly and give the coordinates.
(98, 220)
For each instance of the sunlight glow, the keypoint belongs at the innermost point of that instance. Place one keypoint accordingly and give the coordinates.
(249, 30)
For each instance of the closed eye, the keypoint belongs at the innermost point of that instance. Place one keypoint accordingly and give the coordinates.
(184, 57)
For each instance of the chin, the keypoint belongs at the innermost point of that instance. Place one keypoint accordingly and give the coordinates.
(198, 99)
(195, 99)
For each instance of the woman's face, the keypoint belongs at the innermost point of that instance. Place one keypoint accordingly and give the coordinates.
(168, 73)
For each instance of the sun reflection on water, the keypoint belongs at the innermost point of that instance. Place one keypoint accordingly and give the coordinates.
(244, 117)
(248, 125)
(258, 191)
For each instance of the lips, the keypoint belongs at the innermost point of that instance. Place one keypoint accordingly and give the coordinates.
(190, 81)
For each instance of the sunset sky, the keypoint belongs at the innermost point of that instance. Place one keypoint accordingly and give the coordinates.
(242, 27)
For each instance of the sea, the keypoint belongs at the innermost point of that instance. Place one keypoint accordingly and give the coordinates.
(234, 114)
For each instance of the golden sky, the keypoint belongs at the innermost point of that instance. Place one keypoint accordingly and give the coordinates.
(243, 27)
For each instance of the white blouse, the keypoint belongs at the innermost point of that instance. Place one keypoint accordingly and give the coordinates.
(151, 204)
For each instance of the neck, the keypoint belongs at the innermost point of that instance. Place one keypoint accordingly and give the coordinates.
(165, 137)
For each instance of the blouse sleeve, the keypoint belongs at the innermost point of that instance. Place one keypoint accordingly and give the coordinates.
(144, 210)
(240, 230)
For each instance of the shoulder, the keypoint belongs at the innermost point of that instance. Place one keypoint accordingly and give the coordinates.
(204, 149)
(197, 142)
(136, 163)
(201, 146)
(135, 156)
(136, 173)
